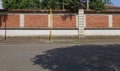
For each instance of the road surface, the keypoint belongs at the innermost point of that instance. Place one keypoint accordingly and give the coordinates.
(38, 57)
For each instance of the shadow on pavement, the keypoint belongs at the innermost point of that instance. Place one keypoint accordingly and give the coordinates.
(81, 58)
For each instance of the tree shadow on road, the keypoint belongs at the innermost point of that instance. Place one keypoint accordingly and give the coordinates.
(81, 58)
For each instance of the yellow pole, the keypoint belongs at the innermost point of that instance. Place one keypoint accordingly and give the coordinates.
(51, 23)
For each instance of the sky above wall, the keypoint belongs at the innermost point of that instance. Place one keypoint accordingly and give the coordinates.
(116, 2)
(0, 4)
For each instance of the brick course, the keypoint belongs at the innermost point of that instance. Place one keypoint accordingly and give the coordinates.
(59, 21)
(64, 21)
(97, 21)
(36, 21)
(116, 20)
(9, 21)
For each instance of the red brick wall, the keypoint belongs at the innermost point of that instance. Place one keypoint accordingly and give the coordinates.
(62, 21)
(10, 21)
(96, 21)
(116, 21)
(59, 21)
(36, 21)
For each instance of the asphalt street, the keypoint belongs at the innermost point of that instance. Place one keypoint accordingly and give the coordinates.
(17, 57)
(58, 57)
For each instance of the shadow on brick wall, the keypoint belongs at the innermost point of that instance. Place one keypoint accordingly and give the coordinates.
(81, 58)
(3, 24)
(64, 17)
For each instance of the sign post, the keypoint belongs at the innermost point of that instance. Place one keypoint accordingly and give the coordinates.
(51, 23)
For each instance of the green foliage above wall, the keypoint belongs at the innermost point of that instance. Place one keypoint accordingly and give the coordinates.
(71, 5)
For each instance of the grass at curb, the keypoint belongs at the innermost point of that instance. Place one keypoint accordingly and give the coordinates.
(67, 39)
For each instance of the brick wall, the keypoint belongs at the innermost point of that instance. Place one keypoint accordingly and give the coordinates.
(36, 21)
(59, 21)
(64, 21)
(116, 20)
(97, 21)
(9, 21)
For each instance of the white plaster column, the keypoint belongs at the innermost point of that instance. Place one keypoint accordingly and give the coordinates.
(81, 22)
(48, 20)
(77, 21)
(110, 20)
(84, 21)
(21, 20)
